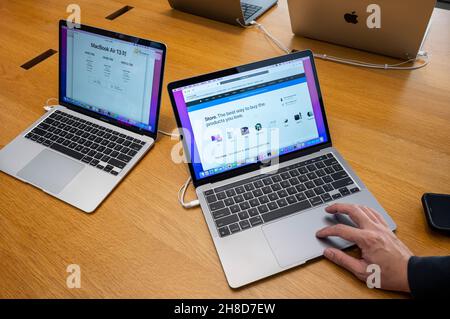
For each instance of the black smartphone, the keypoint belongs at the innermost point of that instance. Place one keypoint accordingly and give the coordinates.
(437, 211)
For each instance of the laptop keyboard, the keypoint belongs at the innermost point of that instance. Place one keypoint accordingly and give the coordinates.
(258, 200)
(93, 144)
(249, 10)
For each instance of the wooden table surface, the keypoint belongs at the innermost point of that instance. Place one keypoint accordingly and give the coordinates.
(393, 127)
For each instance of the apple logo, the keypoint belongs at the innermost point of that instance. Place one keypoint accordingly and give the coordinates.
(351, 17)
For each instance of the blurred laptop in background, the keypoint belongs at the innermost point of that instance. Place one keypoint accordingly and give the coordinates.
(393, 28)
(229, 11)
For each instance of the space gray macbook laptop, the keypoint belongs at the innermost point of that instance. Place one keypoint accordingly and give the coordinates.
(229, 11)
(263, 164)
(106, 120)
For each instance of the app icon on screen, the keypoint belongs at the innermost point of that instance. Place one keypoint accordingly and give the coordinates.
(244, 130)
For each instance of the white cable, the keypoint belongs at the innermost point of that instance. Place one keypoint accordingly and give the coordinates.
(172, 135)
(182, 194)
(396, 66)
(48, 107)
(271, 37)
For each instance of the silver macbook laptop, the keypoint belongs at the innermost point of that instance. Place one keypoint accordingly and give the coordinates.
(263, 164)
(229, 11)
(392, 28)
(106, 120)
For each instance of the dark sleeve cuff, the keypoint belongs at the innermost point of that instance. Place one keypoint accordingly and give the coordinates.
(429, 277)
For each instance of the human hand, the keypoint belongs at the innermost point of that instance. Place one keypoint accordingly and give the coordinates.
(377, 242)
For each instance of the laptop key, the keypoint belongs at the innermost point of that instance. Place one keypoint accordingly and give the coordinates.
(343, 182)
(326, 197)
(235, 209)
(234, 228)
(291, 190)
(240, 189)
(86, 159)
(221, 213)
(216, 205)
(135, 146)
(249, 187)
(67, 151)
(209, 199)
(339, 175)
(300, 197)
(208, 192)
(124, 158)
(114, 154)
(224, 231)
(282, 193)
(310, 193)
(47, 143)
(255, 221)
(262, 209)
(316, 201)
(253, 212)
(285, 184)
(282, 202)
(238, 199)
(273, 196)
(227, 220)
(94, 162)
(354, 190)
(258, 192)
(132, 152)
(228, 201)
(230, 192)
(38, 131)
(243, 215)
(244, 205)
(336, 196)
(245, 224)
(291, 199)
(248, 196)
(254, 202)
(263, 199)
(258, 184)
(276, 187)
(285, 211)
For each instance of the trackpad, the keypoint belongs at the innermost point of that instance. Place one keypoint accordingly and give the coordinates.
(293, 240)
(50, 171)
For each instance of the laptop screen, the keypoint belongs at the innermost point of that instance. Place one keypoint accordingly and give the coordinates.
(115, 78)
(251, 116)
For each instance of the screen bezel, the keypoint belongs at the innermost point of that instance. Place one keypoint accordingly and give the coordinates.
(124, 37)
(232, 71)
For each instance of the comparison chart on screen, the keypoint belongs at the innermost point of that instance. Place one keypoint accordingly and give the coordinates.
(115, 78)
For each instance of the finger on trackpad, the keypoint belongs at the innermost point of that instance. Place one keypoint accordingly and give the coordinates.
(293, 240)
(50, 171)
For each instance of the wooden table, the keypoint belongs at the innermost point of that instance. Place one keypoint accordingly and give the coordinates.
(392, 127)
